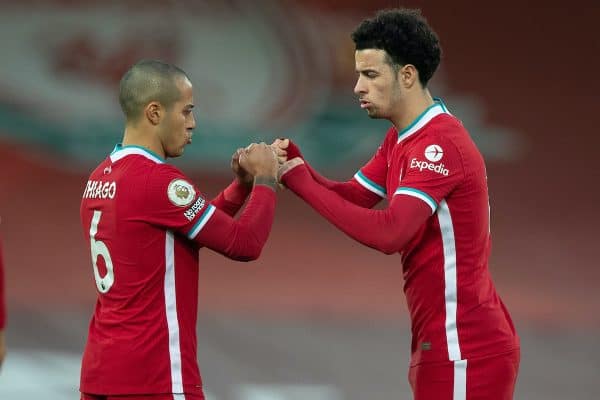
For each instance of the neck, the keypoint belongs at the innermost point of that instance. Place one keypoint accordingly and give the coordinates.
(136, 136)
(411, 107)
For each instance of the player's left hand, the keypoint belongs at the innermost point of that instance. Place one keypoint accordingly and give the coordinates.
(241, 174)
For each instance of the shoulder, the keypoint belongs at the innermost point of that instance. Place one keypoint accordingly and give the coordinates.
(170, 180)
(448, 136)
(101, 168)
(438, 146)
(163, 171)
(448, 131)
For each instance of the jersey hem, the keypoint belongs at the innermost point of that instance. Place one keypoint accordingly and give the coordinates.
(507, 349)
(127, 390)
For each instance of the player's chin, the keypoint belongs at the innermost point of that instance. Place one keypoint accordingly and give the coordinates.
(377, 113)
(373, 113)
(177, 152)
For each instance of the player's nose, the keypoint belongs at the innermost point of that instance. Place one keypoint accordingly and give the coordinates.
(359, 88)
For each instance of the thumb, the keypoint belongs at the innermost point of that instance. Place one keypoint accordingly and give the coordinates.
(281, 143)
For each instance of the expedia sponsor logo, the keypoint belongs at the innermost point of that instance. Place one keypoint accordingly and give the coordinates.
(191, 212)
(434, 153)
(424, 165)
(100, 190)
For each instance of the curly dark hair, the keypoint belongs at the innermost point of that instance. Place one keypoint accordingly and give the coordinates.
(406, 38)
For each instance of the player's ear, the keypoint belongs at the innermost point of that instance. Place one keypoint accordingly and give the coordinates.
(408, 75)
(153, 112)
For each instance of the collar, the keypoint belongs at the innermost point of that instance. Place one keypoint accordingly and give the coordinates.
(121, 151)
(437, 108)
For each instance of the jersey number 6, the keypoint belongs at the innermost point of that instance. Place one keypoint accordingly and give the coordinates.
(99, 249)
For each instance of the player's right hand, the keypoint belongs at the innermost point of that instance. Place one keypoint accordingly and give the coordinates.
(259, 160)
(242, 175)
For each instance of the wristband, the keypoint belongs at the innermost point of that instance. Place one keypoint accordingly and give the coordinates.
(267, 181)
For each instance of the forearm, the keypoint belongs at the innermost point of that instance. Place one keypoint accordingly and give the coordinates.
(232, 198)
(349, 190)
(242, 239)
(385, 230)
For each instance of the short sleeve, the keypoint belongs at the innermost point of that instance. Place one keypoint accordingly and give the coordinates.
(432, 170)
(373, 175)
(175, 203)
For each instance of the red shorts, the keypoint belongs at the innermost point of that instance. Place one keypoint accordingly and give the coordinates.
(195, 396)
(485, 378)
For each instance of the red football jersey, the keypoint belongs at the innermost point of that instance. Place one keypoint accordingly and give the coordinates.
(454, 308)
(144, 222)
